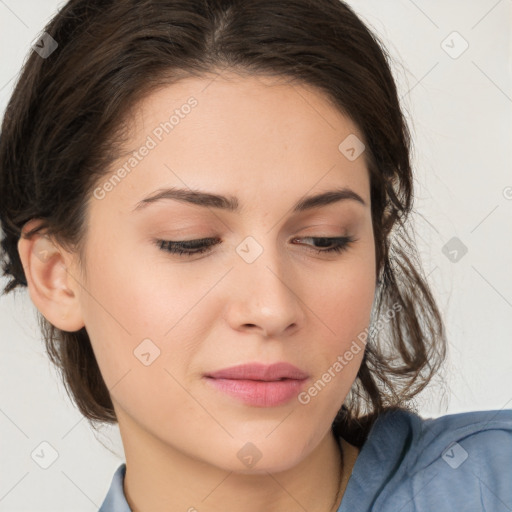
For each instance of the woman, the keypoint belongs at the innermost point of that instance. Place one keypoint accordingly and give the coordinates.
(207, 201)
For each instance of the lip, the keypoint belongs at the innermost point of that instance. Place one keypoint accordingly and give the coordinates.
(258, 371)
(259, 385)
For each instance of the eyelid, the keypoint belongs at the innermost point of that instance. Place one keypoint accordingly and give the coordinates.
(193, 247)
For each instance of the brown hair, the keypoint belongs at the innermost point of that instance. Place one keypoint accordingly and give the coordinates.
(64, 125)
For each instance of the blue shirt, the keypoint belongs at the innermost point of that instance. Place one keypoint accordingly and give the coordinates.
(458, 462)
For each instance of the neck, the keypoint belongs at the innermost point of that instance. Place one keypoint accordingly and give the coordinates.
(160, 477)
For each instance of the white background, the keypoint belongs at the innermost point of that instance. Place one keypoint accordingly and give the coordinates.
(459, 110)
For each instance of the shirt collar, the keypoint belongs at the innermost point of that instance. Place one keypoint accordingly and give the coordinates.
(115, 500)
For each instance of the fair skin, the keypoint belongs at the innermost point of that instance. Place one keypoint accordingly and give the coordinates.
(269, 144)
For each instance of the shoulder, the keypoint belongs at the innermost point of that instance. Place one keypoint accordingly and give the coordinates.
(482, 435)
(458, 461)
(426, 436)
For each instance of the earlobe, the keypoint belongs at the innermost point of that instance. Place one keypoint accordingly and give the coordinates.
(52, 287)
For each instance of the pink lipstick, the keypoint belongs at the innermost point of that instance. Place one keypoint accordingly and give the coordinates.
(258, 384)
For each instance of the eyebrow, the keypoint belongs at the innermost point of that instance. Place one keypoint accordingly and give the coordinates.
(231, 203)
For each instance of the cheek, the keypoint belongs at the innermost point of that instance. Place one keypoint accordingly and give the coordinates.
(342, 301)
(344, 309)
(342, 298)
(121, 308)
(142, 320)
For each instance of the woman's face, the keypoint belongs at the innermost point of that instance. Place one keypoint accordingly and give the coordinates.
(260, 293)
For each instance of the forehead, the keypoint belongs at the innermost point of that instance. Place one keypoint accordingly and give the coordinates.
(259, 136)
(231, 101)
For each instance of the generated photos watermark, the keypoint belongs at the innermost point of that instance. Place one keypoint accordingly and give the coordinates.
(358, 344)
(153, 139)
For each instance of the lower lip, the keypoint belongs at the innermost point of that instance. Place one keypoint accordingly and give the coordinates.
(259, 393)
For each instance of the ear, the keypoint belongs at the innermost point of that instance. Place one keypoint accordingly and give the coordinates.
(53, 283)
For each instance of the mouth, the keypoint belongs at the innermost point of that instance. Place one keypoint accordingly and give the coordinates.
(260, 372)
(259, 385)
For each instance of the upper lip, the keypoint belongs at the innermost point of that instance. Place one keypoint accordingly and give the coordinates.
(258, 371)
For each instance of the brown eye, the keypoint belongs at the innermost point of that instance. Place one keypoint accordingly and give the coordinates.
(334, 244)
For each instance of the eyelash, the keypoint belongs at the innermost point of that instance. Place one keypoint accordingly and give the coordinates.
(193, 247)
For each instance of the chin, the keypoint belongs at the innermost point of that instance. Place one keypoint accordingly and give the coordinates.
(259, 457)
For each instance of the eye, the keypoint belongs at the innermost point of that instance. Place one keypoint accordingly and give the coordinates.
(192, 247)
(187, 247)
(337, 244)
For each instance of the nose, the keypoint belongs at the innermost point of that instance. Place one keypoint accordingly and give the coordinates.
(266, 295)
